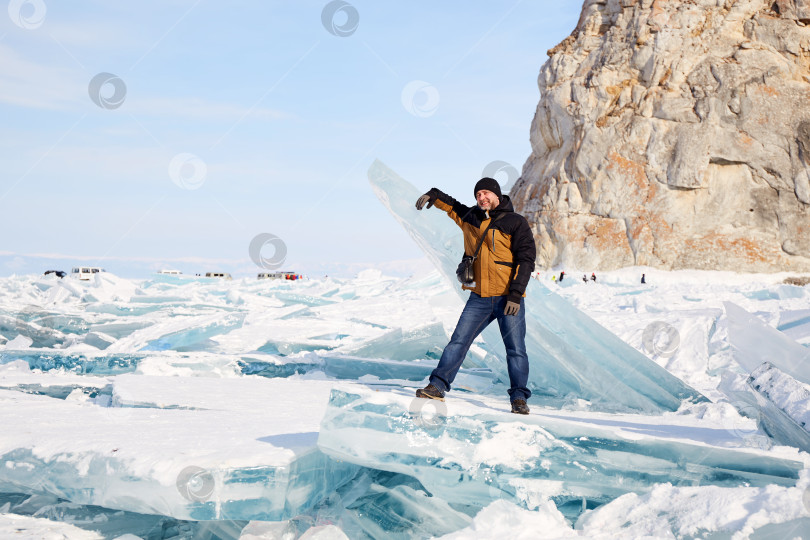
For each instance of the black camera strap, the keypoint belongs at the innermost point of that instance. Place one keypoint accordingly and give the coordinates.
(481, 240)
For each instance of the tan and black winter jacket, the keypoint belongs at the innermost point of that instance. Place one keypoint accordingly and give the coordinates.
(506, 259)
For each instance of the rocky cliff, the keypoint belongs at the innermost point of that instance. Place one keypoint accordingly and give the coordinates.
(674, 134)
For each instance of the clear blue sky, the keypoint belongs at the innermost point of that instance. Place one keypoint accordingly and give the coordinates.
(285, 116)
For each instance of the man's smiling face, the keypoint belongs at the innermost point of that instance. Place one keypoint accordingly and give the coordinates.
(486, 200)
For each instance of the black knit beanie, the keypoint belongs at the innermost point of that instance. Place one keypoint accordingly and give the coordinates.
(490, 184)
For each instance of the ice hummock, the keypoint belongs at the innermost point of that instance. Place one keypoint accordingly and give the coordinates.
(190, 448)
(472, 450)
(570, 355)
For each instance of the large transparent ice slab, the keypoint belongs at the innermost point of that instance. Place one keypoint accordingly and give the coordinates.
(219, 449)
(570, 354)
(472, 450)
(754, 342)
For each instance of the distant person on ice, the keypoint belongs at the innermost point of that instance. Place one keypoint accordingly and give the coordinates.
(593, 277)
(562, 275)
(502, 270)
(643, 279)
(584, 278)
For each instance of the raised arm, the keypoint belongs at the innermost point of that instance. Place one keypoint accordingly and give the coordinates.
(444, 202)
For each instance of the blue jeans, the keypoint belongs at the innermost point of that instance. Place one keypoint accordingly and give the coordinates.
(477, 314)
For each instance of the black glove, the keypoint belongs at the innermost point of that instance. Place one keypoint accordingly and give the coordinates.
(429, 198)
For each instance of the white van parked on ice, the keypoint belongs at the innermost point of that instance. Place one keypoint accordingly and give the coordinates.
(85, 272)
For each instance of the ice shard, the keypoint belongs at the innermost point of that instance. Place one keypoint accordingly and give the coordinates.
(783, 405)
(570, 354)
(469, 452)
(179, 333)
(775, 392)
(423, 342)
(754, 342)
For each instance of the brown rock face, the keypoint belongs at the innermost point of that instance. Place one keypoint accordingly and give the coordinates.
(674, 134)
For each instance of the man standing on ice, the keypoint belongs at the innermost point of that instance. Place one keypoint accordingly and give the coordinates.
(502, 270)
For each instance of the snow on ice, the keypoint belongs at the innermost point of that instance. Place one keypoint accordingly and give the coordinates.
(179, 407)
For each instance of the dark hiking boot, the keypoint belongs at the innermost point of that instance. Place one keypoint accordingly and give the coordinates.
(519, 407)
(430, 392)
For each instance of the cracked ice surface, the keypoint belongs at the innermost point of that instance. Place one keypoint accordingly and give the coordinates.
(570, 355)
